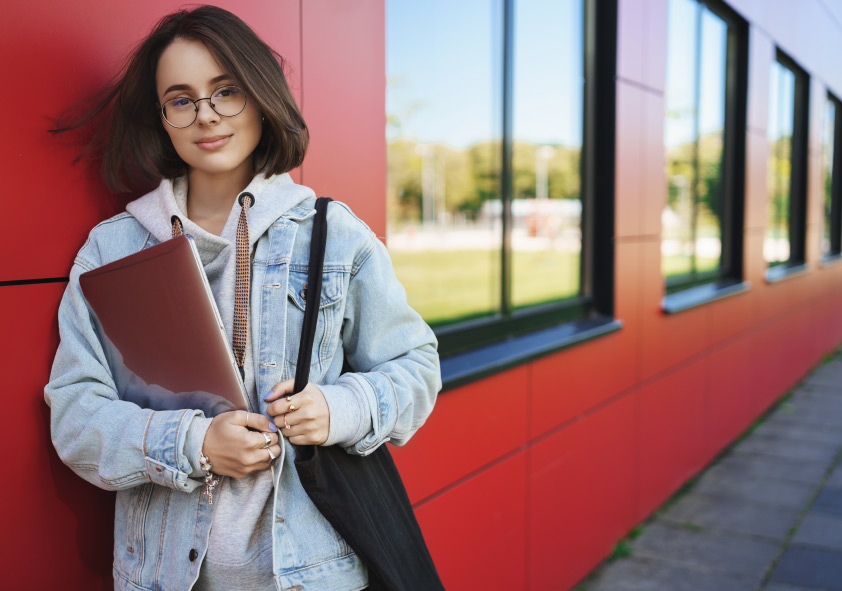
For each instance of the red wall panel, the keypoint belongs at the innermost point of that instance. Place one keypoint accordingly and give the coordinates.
(63, 57)
(581, 495)
(470, 428)
(672, 433)
(344, 62)
(48, 509)
(477, 530)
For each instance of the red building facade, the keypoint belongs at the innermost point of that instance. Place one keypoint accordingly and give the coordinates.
(529, 471)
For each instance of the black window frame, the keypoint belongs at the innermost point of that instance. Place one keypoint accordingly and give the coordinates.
(799, 156)
(594, 307)
(684, 292)
(835, 251)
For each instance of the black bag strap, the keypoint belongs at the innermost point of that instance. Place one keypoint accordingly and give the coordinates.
(312, 294)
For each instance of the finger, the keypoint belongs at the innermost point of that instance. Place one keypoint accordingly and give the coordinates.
(262, 458)
(257, 439)
(287, 404)
(261, 423)
(280, 389)
(240, 418)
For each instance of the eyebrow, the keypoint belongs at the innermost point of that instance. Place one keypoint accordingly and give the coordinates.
(219, 78)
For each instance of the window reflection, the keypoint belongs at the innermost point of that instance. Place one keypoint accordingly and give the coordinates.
(776, 246)
(444, 135)
(546, 192)
(827, 167)
(694, 130)
(444, 64)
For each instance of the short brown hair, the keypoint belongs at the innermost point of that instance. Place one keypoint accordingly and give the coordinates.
(133, 139)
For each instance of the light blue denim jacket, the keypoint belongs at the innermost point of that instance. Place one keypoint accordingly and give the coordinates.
(162, 518)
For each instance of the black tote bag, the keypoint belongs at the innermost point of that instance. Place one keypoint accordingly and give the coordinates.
(362, 497)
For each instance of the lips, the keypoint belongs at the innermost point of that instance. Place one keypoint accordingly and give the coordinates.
(213, 142)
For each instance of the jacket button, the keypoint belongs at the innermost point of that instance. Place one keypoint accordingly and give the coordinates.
(193, 554)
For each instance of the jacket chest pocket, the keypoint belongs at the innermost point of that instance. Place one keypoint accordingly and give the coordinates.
(329, 319)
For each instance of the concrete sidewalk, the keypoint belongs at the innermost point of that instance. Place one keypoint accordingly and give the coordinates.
(767, 516)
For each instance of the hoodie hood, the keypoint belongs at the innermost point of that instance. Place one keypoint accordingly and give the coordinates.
(272, 198)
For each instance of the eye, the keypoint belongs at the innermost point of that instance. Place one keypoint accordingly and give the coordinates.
(226, 92)
(180, 103)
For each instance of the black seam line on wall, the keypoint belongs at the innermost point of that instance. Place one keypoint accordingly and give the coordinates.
(607, 402)
(641, 86)
(34, 281)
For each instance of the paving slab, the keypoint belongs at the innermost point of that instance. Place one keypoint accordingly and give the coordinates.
(631, 574)
(832, 425)
(747, 464)
(829, 500)
(723, 553)
(785, 587)
(744, 516)
(780, 493)
(810, 567)
(835, 479)
(794, 430)
(820, 529)
(791, 449)
(829, 374)
(812, 412)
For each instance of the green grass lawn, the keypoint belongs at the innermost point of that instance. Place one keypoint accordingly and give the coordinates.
(448, 285)
(675, 265)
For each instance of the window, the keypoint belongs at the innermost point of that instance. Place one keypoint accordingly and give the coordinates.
(783, 244)
(704, 140)
(832, 169)
(492, 175)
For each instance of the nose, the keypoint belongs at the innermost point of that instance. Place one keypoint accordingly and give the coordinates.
(205, 115)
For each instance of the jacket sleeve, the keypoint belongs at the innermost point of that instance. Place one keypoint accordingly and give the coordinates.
(109, 442)
(393, 354)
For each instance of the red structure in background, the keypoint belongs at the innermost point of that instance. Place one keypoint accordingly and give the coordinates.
(524, 480)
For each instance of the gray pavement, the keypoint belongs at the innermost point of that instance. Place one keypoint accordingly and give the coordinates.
(767, 516)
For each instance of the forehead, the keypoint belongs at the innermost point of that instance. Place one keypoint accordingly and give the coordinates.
(186, 62)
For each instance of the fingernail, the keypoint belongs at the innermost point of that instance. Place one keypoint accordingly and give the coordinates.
(273, 428)
(268, 395)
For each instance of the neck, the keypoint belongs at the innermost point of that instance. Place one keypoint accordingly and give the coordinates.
(210, 197)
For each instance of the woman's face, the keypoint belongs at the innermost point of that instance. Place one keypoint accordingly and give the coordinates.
(213, 144)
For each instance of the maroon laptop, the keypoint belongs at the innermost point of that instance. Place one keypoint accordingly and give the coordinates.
(161, 330)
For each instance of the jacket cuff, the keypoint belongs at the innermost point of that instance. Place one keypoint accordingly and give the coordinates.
(167, 463)
(350, 418)
(195, 440)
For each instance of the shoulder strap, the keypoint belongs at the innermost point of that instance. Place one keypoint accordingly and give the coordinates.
(313, 290)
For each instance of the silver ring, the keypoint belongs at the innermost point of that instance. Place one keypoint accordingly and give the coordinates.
(271, 455)
(268, 439)
(247, 419)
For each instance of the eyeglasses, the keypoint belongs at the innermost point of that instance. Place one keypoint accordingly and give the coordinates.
(226, 101)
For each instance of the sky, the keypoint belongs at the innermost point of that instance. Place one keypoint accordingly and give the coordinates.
(444, 68)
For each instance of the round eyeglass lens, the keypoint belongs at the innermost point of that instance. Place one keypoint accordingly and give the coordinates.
(226, 101)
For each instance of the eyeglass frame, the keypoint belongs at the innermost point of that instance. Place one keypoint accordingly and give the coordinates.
(196, 105)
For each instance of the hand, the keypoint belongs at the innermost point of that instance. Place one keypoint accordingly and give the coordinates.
(235, 445)
(303, 418)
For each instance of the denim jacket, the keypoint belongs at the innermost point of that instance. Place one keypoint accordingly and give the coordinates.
(162, 519)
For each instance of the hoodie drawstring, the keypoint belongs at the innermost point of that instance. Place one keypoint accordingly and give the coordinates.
(243, 282)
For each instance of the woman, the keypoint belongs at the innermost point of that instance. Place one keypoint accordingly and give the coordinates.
(204, 106)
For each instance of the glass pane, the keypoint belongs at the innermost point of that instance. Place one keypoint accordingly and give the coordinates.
(709, 189)
(548, 115)
(781, 121)
(827, 167)
(444, 63)
(680, 138)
